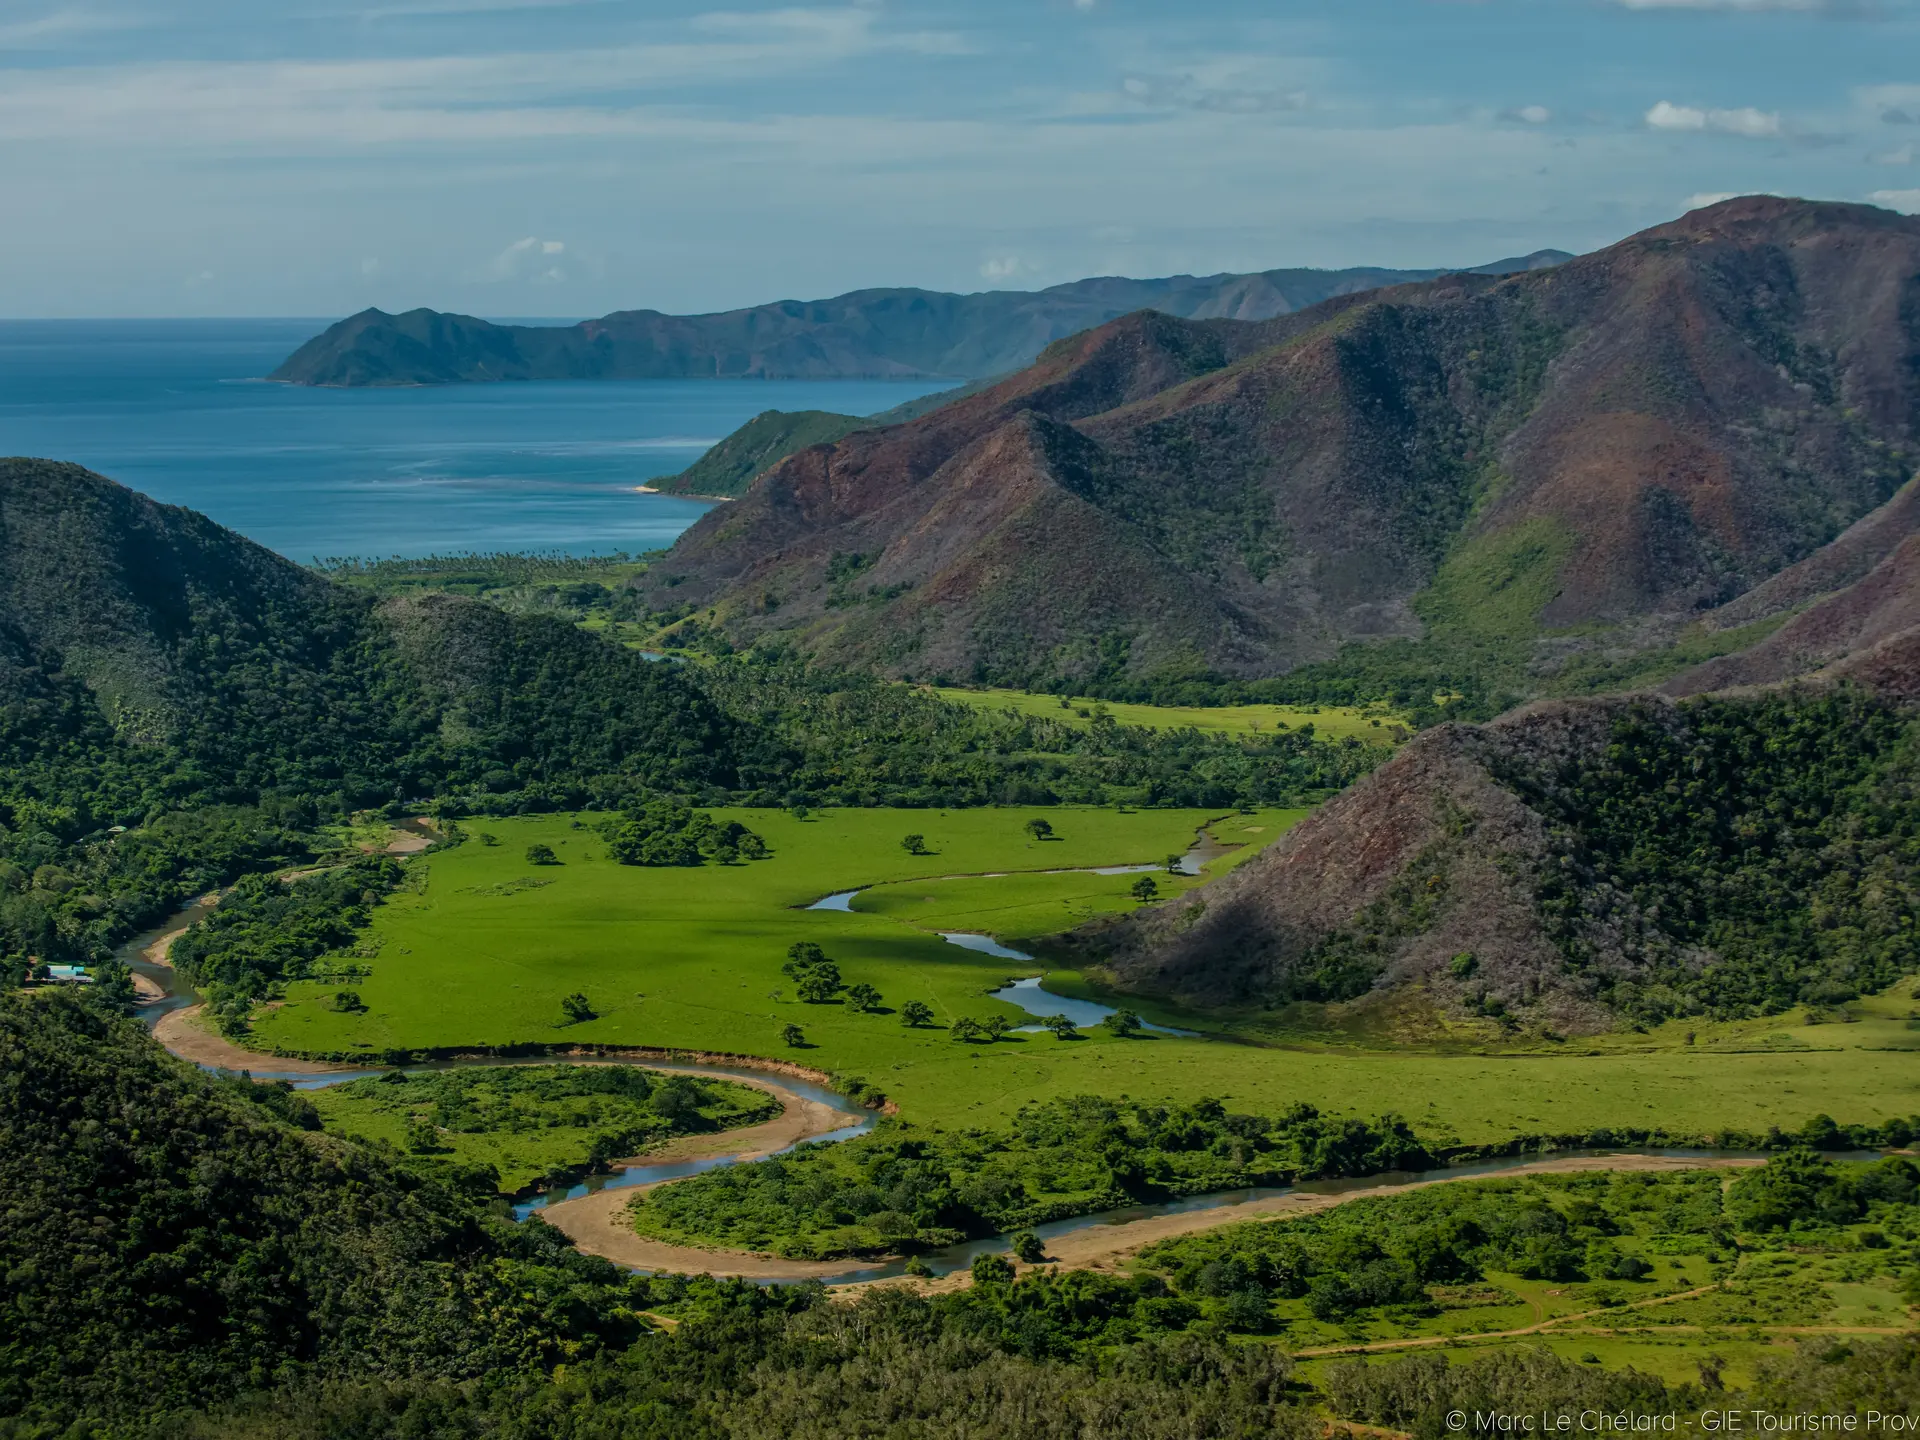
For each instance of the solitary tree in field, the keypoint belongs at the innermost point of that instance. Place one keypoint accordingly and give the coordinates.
(965, 1028)
(1146, 888)
(1040, 829)
(1123, 1023)
(793, 1036)
(1028, 1248)
(1174, 866)
(539, 854)
(487, 839)
(1062, 1027)
(863, 997)
(347, 1002)
(577, 1008)
(916, 1013)
(915, 845)
(996, 1026)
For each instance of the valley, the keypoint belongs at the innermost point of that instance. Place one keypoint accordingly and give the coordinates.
(1451, 752)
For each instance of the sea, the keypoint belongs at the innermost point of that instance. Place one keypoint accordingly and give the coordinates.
(178, 409)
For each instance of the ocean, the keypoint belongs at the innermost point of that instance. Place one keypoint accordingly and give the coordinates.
(176, 409)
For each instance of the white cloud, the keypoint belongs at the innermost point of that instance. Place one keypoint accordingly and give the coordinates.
(1902, 156)
(1903, 200)
(479, 98)
(58, 25)
(530, 258)
(1003, 267)
(1710, 197)
(1528, 114)
(1750, 6)
(1746, 122)
(1234, 87)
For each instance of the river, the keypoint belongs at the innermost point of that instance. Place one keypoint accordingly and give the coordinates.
(795, 1092)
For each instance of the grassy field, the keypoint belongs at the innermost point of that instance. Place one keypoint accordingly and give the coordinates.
(484, 951)
(531, 1122)
(1016, 907)
(1376, 725)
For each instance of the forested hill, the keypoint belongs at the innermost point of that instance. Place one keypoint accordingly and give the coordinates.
(864, 334)
(168, 1238)
(1516, 472)
(151, 626)
(1579, 865)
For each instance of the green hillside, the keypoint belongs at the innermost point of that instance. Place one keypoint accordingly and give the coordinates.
(729, 468)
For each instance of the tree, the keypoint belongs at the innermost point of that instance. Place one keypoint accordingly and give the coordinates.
(819, 985)
(1028, 1248)
(348, 1002)
(915, 845)
(1175, 865)
(965, 1028)
(487, 838)
(1062, 1027)
(422, 1138)
(863, 997)
(1123, 1023)
(1146, 888)
(799, 812)
(916, 1013)
(752, 847)
(793, 1036)
(1040, 829)
(992, 1270)
(539, 854)
(802, 956)
(996, 1026)
(578, 1009)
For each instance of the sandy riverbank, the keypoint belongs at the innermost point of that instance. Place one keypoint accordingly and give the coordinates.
(1107, 1247)
(597, 1222)
(183, 1033)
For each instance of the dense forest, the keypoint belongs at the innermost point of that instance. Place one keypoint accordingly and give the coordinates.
(1734, 856)
(190, 1257)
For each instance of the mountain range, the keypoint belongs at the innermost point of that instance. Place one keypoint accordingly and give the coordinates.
(1594, 455)
(887, 333)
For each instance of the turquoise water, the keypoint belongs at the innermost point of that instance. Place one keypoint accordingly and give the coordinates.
(175, 408)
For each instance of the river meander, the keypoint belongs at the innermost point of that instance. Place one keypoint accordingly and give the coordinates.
(794, 1091)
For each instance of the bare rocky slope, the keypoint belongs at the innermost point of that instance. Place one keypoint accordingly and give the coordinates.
(1652, 430)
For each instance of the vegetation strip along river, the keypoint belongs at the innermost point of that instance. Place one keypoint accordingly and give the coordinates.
(591, 1214)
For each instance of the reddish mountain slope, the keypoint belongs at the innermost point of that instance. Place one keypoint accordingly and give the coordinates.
(1665, 424)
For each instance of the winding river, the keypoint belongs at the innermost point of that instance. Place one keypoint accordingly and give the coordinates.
(811, 1113)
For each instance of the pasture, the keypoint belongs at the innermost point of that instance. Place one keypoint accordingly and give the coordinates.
(482, 947)
(1376, 725)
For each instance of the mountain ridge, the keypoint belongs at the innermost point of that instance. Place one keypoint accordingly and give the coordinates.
(1648, 431)
(881, 333)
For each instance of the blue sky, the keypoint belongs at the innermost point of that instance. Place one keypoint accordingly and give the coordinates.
(568, 157)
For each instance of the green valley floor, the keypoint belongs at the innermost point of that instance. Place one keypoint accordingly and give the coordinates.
(480, 948)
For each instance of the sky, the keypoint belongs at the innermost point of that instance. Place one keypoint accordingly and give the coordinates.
(569, 157)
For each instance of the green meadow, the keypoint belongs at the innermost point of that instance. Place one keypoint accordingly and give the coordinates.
(480, 947)
(1375, 724)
